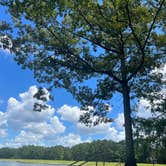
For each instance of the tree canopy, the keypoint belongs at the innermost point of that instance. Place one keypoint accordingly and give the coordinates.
(114, 43)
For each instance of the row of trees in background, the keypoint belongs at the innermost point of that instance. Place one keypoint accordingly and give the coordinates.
(95, 151)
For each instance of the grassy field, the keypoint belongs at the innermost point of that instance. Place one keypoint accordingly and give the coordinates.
(63, 162)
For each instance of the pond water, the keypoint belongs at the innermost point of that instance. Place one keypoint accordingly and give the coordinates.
(5, 163)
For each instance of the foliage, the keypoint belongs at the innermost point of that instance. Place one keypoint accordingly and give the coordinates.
(151, 131)
(115, 43)
(66, 43)
(107, 151)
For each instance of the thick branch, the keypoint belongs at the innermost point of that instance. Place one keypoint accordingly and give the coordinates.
(132, 28)
(92, 41)
(110, 73)
(139, 45)
(93, 29)
(153, 22)
(97, 43)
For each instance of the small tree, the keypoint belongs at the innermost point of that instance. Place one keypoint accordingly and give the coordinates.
(116, 43)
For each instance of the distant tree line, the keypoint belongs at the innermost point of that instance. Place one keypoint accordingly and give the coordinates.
(95, 151)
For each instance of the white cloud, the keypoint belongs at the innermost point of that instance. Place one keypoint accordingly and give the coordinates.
(3, 133)
(3, 125)
(120, 121)
(72, 114)
(144, 109)
(69, 113)
(45, 128)
(33, 127)
(115, 135)
(29, 138)
(20, 113)
(70, 140)
(3, 121)
(98, 129)
(24, 138)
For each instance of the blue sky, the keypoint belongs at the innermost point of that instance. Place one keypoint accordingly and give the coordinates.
(58, 125)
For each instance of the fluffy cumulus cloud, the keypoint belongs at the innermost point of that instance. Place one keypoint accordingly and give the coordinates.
(69, 113)
(115, 135)
(25, 138)
(144, 109)
(2, 119)
(98, 129)
(3, 125)
(72, 114)
(70, 139)
(49, 127)
(3, 133)
(20, 115)
(116, 132)
(32, 127)
(120, 121)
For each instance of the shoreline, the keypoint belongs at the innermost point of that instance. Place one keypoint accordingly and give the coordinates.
(66, 162)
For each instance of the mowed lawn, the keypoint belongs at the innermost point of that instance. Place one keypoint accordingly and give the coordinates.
(64, 162)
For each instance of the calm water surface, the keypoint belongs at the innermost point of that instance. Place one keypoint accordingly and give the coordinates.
(5, 163)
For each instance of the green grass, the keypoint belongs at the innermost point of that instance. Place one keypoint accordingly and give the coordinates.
(69, 162)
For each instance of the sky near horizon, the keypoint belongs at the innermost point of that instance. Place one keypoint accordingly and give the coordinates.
(57, 125)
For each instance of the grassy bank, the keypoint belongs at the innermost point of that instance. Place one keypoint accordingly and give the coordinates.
(64, 162)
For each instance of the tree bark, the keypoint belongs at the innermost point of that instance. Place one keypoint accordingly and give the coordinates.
(130, 154)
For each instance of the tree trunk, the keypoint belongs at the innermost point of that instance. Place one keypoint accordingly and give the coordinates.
(130, 155)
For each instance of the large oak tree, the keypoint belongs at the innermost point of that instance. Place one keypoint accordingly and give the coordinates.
(114, 43)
